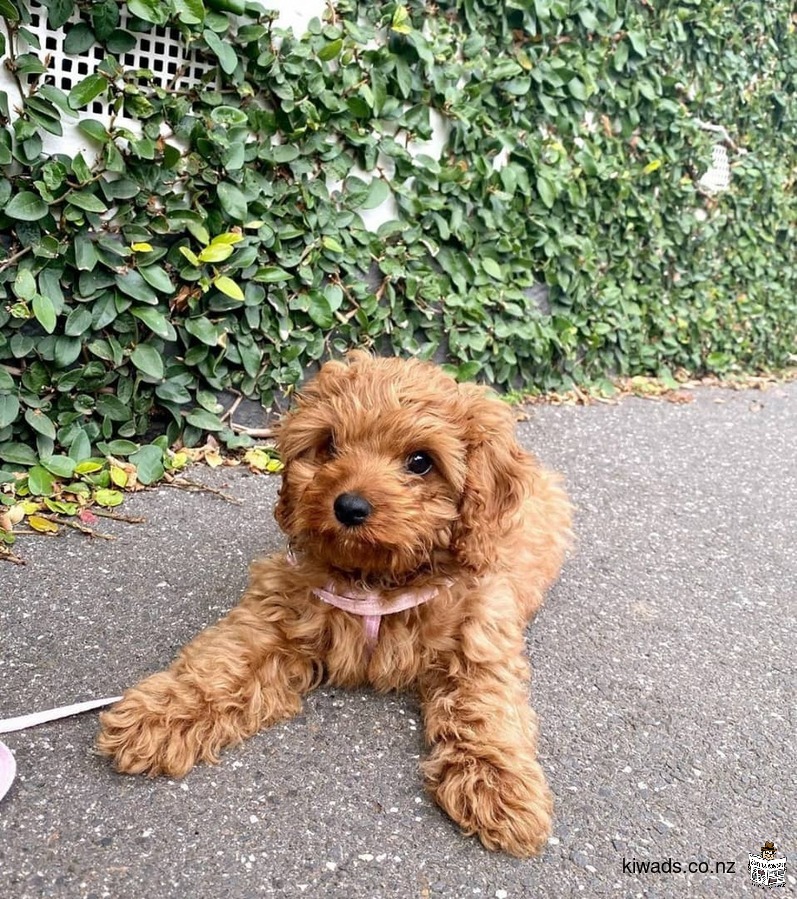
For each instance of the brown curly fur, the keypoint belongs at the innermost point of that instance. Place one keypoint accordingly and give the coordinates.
(487, 525)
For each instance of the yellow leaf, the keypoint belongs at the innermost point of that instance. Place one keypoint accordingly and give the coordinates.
(228, 237)
(42, 525)
(651, 167)
(178, 460)
(108, 498)
(401, 21)
(191, 257)
(142, 247)
(118, 476)
(213, 458)
(256, 458)
(216, 252)
(262, 460)
(228, 287)
(29, 507)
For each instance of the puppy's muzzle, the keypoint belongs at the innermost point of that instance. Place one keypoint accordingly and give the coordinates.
(352, 509)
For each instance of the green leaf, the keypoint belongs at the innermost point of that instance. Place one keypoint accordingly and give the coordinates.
(154, 11)
(329, 243)
(87, 90)
(319, 310)
(225, 53)
(17, 454)
(79, 38)
(157, 277)
(331, 50)
(203, 330)
(492, 268)
(94, 129)
(60, 466)
(120, 41)
(204, 420)
(45, 313)
(149, 464)
(9, 409)
(40, 423)
(80, 448)
(172, 392)
(25, 284)
(638, 42)
(104, 18)
(27, 207)
(233, 202)
(272, 274)
(85, 252)
(148, 361)
(87, 201)
(378, 192)
(78, 322)
(59, 12)
(133, 285)
(190, 12)
(40, 481)
(113, 408)
(9, 11)
(155, 321)
(546, 190)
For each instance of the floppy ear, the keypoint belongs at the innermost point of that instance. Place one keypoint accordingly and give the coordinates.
(499, 476)
(298, 430)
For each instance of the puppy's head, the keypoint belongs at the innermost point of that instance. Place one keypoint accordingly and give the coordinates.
(392, 467)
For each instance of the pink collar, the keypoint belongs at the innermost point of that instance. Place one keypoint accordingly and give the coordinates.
(370, 605)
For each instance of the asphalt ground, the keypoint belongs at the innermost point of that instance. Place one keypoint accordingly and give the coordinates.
(664, 681)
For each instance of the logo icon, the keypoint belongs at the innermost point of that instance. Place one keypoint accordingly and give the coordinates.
(767, 869)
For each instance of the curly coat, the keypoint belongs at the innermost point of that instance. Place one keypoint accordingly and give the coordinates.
(486, 525)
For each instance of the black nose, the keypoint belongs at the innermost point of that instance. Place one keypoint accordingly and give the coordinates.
(351, 509)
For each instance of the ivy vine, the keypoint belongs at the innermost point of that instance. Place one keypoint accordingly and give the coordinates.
(219, 247)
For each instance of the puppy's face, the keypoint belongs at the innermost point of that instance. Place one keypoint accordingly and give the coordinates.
(374, 468)
(381, 459)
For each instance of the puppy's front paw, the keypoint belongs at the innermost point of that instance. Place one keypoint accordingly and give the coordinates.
(151, 730)
(509, 807)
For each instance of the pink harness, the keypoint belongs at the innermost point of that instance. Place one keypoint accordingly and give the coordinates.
(372, 608)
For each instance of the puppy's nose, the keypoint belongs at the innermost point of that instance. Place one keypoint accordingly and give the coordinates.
(351, 509)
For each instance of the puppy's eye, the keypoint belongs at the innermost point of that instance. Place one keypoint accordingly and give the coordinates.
(330, 450)
(419, 463)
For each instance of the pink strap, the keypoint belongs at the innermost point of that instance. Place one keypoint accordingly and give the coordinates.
(371, 607)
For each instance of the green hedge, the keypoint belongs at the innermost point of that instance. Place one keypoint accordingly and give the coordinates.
(140, 280)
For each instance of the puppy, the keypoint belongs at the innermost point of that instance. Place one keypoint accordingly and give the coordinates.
(421, 541)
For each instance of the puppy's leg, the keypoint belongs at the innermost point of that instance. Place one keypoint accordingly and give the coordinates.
(482, 768)
(233, 679)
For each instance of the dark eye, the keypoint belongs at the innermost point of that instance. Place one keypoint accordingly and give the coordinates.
(419, 463)
(330, 449)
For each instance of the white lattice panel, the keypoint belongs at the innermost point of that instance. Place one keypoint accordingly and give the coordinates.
(160, 52)
(718, 176)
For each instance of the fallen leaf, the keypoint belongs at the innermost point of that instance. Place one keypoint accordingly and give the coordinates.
(42, 525)
(11, 516)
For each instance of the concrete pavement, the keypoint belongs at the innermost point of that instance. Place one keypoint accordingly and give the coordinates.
(664, 680)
